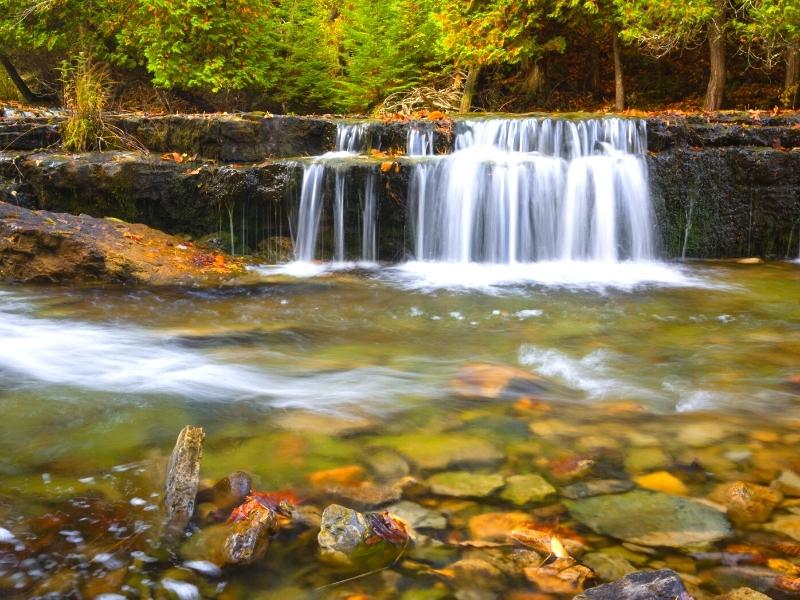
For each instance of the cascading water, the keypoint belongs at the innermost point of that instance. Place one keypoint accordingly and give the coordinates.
(351, 140)
(529, 190)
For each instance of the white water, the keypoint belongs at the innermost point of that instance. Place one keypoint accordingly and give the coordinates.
(352, 139)
(41, 353)
(531, 190)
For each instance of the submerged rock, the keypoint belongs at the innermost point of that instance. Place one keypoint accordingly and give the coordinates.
(348, 538)
(485, 380)
(662, 481)
(788, 483)
(527, 489)
(643, 585)
(596, 487)
(39, 246)
(651, 519)
(444, 451)
(464, 484)
(183, 478)
(497, 526)
(788, 525)
(747, 502)
(608, 567)
(417, 516)
(559, 577)
(743, 594)
(228, 492)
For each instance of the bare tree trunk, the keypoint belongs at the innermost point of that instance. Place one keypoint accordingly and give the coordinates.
(27, 95)
(470, 87)
(792, 81)
(619, 84)
(715, 92)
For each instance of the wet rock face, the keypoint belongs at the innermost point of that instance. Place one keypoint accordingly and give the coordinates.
(644, 585)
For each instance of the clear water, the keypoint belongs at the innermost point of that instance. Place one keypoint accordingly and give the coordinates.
(95, 383)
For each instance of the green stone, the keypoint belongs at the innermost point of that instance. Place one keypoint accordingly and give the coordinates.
(526, 489)
(463, 484)
(651, 519)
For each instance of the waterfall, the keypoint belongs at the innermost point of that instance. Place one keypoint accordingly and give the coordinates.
(535, 189)
(352, 139)
(419, 140)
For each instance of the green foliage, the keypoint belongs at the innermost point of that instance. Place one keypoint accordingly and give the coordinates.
(205, 43)
(8, 91)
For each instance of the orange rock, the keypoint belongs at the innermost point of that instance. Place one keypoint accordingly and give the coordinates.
(662, 481)
(347, 475)
(551, 580)
(485, 380)
(747, 502)
(497, 525)
(542, 541)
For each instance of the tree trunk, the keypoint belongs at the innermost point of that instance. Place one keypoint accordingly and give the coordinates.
(533, 84)
(715, 92)
(595, 84)
(792, 81)
(27, 95)
(619, 84)
(470, 87)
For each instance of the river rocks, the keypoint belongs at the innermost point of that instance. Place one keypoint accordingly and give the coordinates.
(527, 489)
(496, 526)
(596, 487)
(348, 538)
(444, 451)
(643, 585)
(484, 380)
(228, 492)
(38, 246)
(651, 519)
(555, 578)
(746, 502)
(417, 516)
(183, 478)
(788, 525)
(463, 484)
(608, 567)
(662, 481)
(248, 539)
(547, 543)
(788, 482)
(743, 594)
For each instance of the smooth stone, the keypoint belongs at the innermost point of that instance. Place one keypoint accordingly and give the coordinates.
(651, 519)
(743, 594)
(640, 460)
(608, 567)
(642, 585)
(474, 572)
(760, 579)
(228, 492)
(788, 525)
(542, 541)
(387, 464)
(497, 526)
(322, 424)
(526, 489)
(596, 487)
(788, 482)
(417, 516)
(552, 579)
(703, 434)
(464, 484)
(746, 502)
(444, 450)
(662, 481)
(491, 381)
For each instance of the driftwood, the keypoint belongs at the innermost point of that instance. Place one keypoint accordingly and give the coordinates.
(183, 477)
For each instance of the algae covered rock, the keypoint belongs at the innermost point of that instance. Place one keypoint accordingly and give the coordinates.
(527, 489)
(651, 519)
(464, 484)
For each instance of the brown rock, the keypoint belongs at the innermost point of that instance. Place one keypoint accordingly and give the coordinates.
(228, 492)
(485, 380)
(743, 594)
(40, 246)
(183, 478)
(747, 502)
(542, 541)
(248, 539)
(550, 579)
